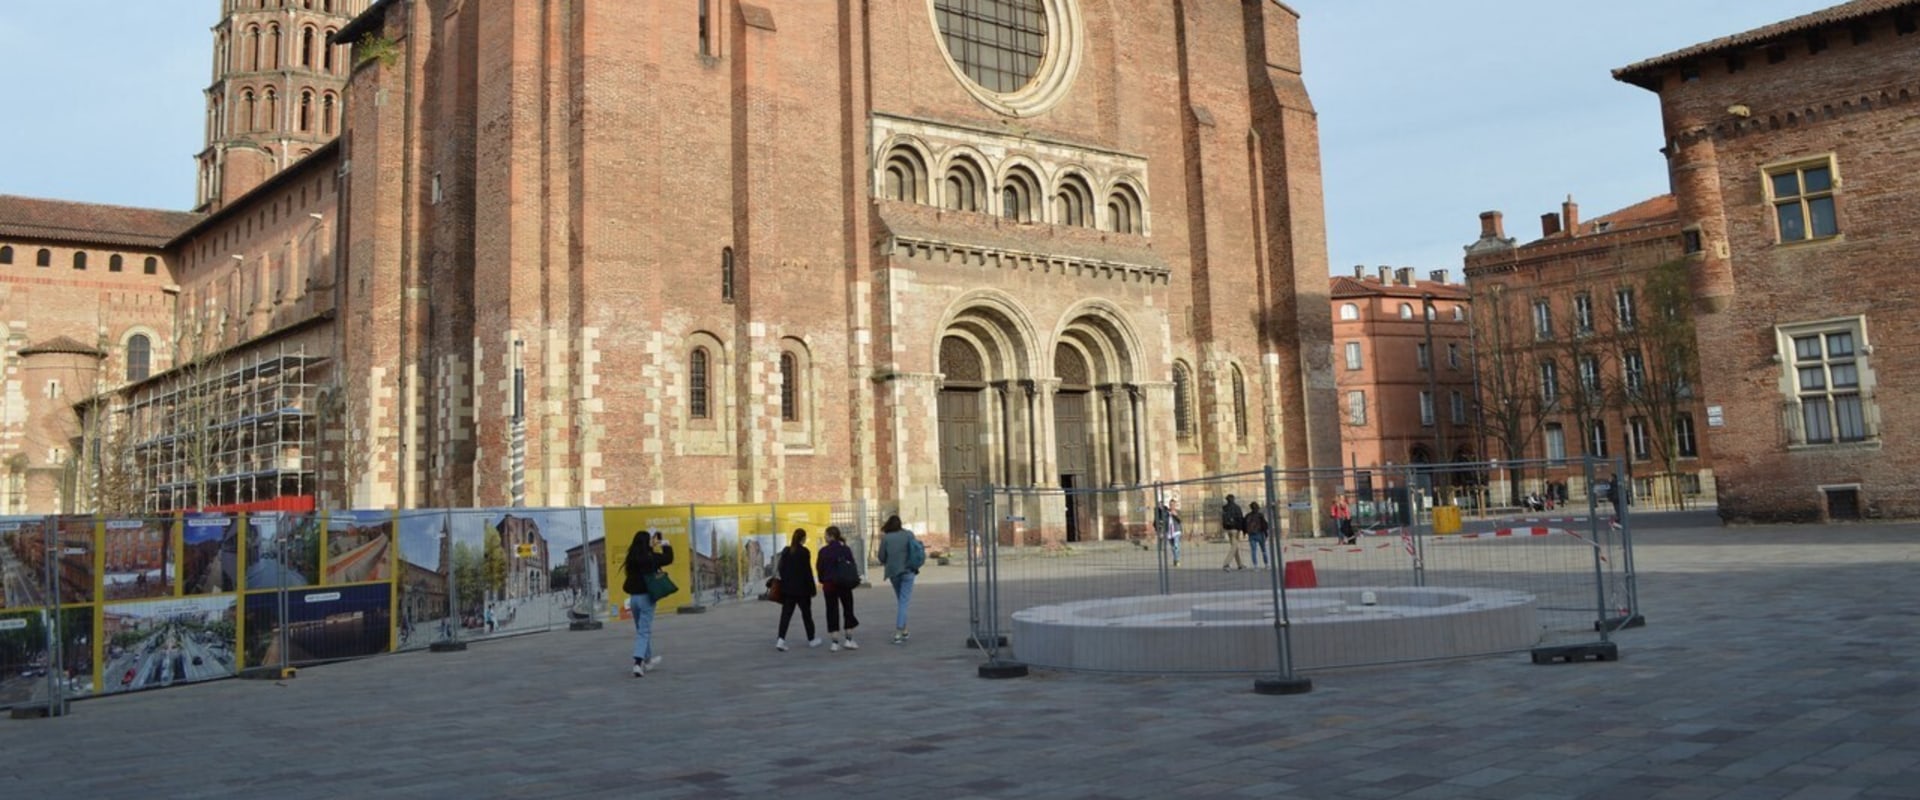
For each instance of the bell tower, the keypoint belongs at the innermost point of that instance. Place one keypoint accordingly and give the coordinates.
(276, 91)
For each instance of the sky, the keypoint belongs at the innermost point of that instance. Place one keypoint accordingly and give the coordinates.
(1431, 111)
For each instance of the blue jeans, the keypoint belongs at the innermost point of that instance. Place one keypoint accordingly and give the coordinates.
(1259, 546)
(642, 605)
(1173, 545)
(903, 594)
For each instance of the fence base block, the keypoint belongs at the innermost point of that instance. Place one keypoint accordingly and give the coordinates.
(1575, 653)
(1621, 623)
(973, 643)
(40, 710)
(1282, 686)
(691, 609)
(266, 673)
(447, 647)
(1001, 670)
(585, 625)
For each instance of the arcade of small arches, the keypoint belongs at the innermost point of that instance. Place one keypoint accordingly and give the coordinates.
(1017, 188)
(1015, 409)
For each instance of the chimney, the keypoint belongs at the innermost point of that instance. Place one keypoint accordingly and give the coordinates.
(1386, 276)
(1492, 225)
(1438, 276)
(1549, 224)
(1359, 272)
(1403, 276)
(1570, 216)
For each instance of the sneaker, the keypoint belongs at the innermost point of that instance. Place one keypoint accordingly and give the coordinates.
(654, 662)
(904, 635)
(780, 645)
(851, 644)
(899, 637)
(815, 643)
(639, 671)
(834, 647)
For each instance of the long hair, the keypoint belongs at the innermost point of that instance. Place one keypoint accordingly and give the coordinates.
(892, 524)
(799, 538)
(834, 534)
(642, 545)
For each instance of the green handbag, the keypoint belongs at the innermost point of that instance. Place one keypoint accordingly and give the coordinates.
(660, 587)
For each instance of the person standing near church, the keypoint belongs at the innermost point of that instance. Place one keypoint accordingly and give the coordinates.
(796, 589)
(1257, 534)
(640, 562)
(839, 576)
(896, 554)
(1232, 523)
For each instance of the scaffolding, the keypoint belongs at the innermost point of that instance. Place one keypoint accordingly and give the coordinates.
(230, 429)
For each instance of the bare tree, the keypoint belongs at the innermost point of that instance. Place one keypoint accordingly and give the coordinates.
(1513, 398)
(1660, 362)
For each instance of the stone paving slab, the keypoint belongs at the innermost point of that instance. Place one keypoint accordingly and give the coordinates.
(1777, 663)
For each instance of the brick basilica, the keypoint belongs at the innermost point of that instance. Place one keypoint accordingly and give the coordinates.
(715, 251)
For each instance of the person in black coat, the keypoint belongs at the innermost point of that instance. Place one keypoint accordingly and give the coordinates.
(839, 575)
(643, 561)
(796, 588)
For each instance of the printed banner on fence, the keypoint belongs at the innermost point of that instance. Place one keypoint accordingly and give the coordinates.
(623, 527)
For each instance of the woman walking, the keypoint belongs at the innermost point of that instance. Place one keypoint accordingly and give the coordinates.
(839, 576)
(1257, 534)
(641, 562)
(896, 554)
(796, 588)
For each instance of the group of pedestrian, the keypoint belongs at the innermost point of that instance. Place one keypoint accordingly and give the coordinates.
(836, 572)
(1234, 523)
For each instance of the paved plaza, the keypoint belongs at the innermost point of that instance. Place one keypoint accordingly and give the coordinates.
(1779, 662)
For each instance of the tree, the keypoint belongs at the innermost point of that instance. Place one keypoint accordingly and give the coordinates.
(495, 566)
(1513, 401)
(1663, 344)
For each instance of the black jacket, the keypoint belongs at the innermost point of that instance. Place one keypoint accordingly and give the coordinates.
(643, 561)
(796, 573)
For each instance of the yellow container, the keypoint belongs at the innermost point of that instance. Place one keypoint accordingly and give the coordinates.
(1446, 519)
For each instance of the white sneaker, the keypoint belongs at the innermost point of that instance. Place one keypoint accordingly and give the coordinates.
(639, 671)
(654, 662)
(851, 644)
(815, 643)
(780, 645)
(834, 647)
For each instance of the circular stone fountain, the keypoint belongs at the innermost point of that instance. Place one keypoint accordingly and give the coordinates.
(1234, 631)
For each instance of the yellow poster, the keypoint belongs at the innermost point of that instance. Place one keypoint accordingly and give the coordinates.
(623, 525)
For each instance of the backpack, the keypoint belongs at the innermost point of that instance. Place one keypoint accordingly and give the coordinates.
(916, 553)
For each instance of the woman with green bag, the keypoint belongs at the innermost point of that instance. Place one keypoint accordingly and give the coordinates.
(641, 563)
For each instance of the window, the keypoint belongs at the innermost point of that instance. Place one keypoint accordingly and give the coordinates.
(1597, 439)
(115, 263)
(1556, 442)
(1073, 205)
(1623, 308)
(306, 111)
(1634, 369)
(326, 114)
(1453, 353)
(44, 258)
(326, 52)
(1683, 437)
(306, 47)
(1356, 408)
(705, 30)
(1826, 368)
(1583, 313)
(789, 388)
(1406, 311)
(139, 357)
(1542, 320)
(151, 267)
(1123, 210)
(1017, 195)
(905, 175)
(1690, 241)
(1239, 405)
(1803, 201)
(1423, 354)
(6, 255)
(1637, 436)
(997, 43)
(1426, 408)
(1182, 401)
(962, 187)
(726, 274)
(1353, 355)
(1349, 311)
(79, 259)
(1459, 415)
(1549, 382)
(1459, 314)
(1589, 367)
(697, 385)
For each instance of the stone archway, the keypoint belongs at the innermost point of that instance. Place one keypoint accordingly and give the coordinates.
(984, 405)
(1097, 420)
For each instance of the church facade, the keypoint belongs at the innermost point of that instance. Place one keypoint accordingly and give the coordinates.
(610, 252)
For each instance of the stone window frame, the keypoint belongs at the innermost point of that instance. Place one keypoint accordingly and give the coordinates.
(1126, 211)
(1114, 183)
(1184, 419)
(1803, 201)
(1242, 422)
(796, 394)
(1053, 76)
(711, 434)
(1073, 205)
(962, 180)
(903, 174)
(128, 351)
(1020, 180)
(1792, 394)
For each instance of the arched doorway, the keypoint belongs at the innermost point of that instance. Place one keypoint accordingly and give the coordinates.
(1097, 413)
(984, 403)
(1073, 437)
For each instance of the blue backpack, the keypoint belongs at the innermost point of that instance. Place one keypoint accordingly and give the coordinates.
(916, 553)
